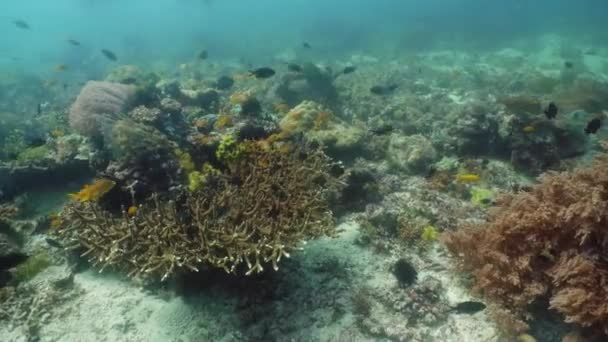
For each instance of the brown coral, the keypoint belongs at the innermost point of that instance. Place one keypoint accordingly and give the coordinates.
(96, 102)
(550, 242)
(257, 212)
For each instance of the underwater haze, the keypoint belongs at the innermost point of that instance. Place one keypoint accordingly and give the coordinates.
(304, 170)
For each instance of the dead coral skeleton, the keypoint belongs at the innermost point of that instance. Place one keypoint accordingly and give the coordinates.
(257, 212)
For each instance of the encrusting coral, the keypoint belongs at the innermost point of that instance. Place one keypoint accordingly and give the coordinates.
(550, 242)
(256, 212)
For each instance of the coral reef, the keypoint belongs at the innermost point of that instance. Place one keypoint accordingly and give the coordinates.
(414, 154)
(98, 102)
(319, 124)
(258, 211)
(549, 242)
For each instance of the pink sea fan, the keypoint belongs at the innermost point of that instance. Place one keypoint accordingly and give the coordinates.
(99, 101)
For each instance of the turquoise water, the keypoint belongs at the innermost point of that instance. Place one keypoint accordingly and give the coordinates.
(291, 170)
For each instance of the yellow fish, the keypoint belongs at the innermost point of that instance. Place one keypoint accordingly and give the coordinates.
(528, 129)
(94, 191)
(132, 211)
(468, 178)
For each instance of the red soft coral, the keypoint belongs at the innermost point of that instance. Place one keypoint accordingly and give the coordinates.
(550, 242)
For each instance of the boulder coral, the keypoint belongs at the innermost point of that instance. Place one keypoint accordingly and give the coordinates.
(99, 101)
(548, 243)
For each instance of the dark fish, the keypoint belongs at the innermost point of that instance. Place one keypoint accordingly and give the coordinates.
(383, 89)
(74, 42)
(349, 69)
(551, 111)
(306, 45)
(382, 129)
(224, 82)
(109, 55)
(568, 64)
(294, 67)
(593, 126)
(264, 72)
(469, 307)
(21, 24)
(203, 55)
(65, 86)
(39, 109)
(53, 243)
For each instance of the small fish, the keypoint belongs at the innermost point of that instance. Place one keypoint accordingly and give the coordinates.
(53, 242)
(528, 129)
(109, 55)
(61, 67)
(263, 72)
(21, 24)
(382, 130)
(383, 89)
(551, 111)
(294, 67)
(306, 45)
(203, 55)
(468, 178)
(468, 307)
(39, 109)
(73, 42)
(593, 126)
(349, 69)
(568, 65)
(132, 211)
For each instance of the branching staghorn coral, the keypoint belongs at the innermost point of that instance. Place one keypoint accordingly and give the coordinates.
(256, 212)
(551, 242)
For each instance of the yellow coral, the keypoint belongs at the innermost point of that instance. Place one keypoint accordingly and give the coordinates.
(321, 120)
(185, 160)
(197, 180)
(239, 97)
(229, 150)
(429, 233)
(93, 192)
(223, 121)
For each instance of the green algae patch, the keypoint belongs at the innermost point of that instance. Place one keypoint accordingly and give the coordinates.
(31, 267)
